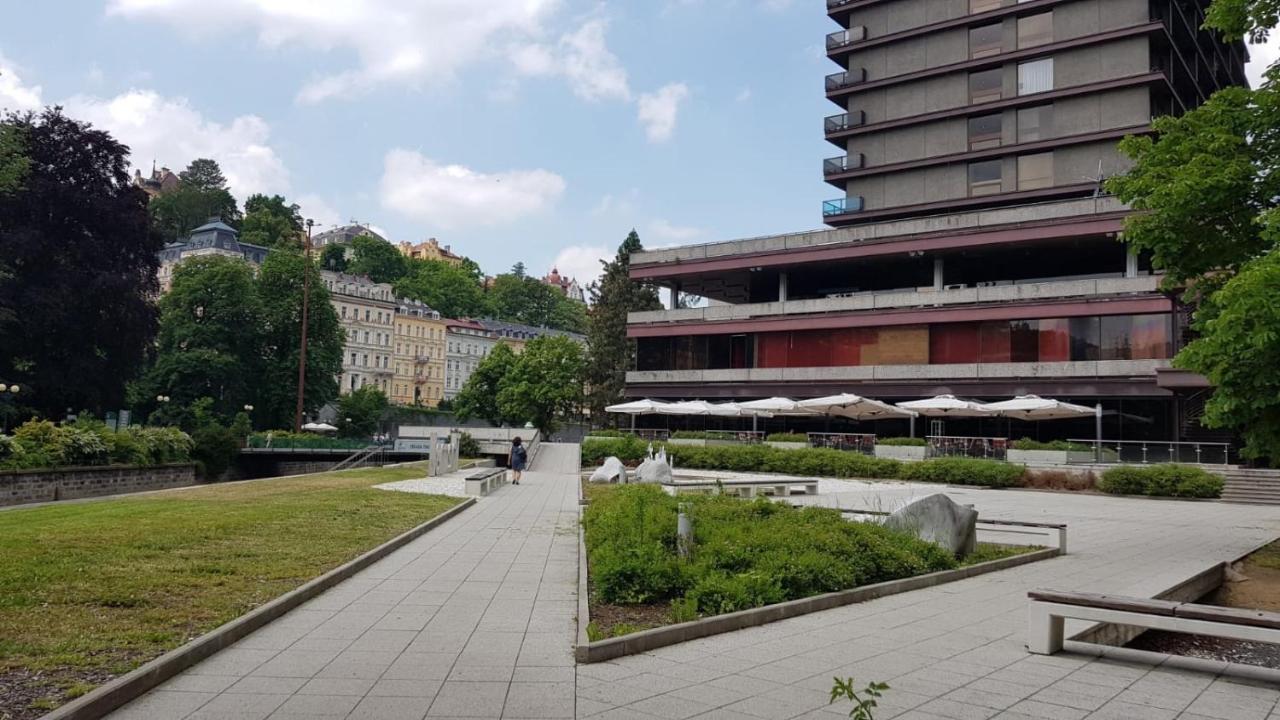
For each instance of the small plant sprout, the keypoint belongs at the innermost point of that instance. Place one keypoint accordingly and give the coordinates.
(864, 701)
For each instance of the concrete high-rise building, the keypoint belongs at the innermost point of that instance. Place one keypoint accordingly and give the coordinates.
(974, 250)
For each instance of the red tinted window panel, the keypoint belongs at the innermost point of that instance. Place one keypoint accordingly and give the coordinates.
(993, 342)
(771, 349)
(953, 343)
(1024, 341)
(846, 348)
(810, 349)
(1151, 335)
(1055, 340)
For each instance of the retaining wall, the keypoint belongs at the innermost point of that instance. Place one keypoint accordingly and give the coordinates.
(20, 487)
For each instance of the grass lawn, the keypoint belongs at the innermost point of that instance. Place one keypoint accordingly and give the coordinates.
(89, 591)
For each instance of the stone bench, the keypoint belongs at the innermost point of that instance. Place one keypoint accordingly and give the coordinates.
(1049, 610)
(484, 481)
(742, 488)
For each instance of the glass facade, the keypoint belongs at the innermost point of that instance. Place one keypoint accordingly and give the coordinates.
(1113, 337)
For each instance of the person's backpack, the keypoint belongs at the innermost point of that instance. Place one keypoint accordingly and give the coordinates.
(520, 454)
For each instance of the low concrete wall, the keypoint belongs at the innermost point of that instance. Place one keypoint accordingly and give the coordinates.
(1038, 457)
(900, 452)
(22, 487)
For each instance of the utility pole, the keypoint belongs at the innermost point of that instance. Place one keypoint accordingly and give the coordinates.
(306, 303)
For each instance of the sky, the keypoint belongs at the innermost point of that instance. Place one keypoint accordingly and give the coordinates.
(540, 131)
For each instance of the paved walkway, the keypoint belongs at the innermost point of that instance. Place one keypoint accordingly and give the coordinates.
(476, 619)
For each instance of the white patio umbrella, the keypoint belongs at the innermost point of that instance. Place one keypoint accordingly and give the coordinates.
(635, 408)
(947, 406)
(776, 406)
(319, 428)
(1034, 407)
(854, 407)
(694, 407)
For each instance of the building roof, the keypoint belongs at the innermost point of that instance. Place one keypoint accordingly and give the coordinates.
(345, 234)
(519, 331)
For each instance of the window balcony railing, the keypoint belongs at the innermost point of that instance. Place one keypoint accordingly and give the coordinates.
(844, 163)
(844, 121)
(842, 206)
(833, 4)
(848, 78)
(843, 38)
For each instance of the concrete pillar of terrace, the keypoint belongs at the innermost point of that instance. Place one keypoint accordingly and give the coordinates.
(674, 303)
(937, 274)
(1131, 262)
(782, 287)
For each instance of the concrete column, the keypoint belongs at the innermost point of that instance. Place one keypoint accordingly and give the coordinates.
(675, 297)
(782, 287)
(1131, 262)
(937, 273)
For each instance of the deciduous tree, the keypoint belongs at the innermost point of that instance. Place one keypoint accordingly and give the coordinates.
(611, 353)
(545, 386)
(202, 194)
(378, 259)
(453, 291)
(271, 222)
(479, 396)
(361, 411)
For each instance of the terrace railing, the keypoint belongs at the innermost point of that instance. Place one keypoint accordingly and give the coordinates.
(853, 442)
(986, 448)
(848, 78)
(841, 38)
(1153, 452)
(842, 206)
(736, 437)
(844, 163)
(844, 121)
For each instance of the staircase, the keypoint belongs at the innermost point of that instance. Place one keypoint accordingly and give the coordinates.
(1253, 487)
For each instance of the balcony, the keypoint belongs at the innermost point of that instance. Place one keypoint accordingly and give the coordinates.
(844, 121)
(845, 38)
(842, 206)
(837, 4)
(842, 164)
(846, 79)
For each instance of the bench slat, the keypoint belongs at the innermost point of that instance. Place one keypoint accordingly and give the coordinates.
(1107, 602)
(1234, 616)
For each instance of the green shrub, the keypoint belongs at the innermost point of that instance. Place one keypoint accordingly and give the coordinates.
(468, 447)
(688, 435)
(746, 554)
(964, 471)
(902, 442)
(1161, 481)
(214, 448)
(606, 433)
(78, 446)
(628, 449)
(788, 438)
(1055, 445)
(42, 444)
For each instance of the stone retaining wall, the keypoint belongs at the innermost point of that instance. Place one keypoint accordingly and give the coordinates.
(20, 487)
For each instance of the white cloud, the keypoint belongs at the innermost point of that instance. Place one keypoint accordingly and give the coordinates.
(667, 231)
(623, 205)
(14, 94)
(452, 196)
(170, 132)
(581, 57)
(1261, 57)
(394, 41)
(582, 262)
(318, 209)
(659, 110)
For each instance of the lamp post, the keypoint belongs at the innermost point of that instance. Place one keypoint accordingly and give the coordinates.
(306, 301)
(10, 391)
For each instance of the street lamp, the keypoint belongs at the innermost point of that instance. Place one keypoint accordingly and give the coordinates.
(162, 398)
(12, 390)
(248, 408)
(302, 350)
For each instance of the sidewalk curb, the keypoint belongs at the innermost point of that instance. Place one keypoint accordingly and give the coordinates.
(129, 687)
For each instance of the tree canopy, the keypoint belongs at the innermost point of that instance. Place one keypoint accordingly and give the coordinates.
(522, 299)
(546, 384)
(479, 396)
(1207, 185)
(611, 352)
(452, 291)
(378, 259)
(202, 194)
(13, 158)
(271, 222)
(82, 264)
(361, 411)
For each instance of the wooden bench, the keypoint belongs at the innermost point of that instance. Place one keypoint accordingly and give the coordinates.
(1049, 610)
(741, 488)
(486, 480)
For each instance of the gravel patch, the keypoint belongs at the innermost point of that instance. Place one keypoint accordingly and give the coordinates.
(448, 486)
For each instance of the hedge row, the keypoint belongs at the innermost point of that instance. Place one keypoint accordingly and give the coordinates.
(42, 444)
(901, 442)
(1056, 445)
(812, 462)
(1162, 481)
(745, 554)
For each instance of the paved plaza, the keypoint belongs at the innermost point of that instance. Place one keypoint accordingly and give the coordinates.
(476, 619)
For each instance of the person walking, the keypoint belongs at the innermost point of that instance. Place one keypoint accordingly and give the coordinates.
(517, 460)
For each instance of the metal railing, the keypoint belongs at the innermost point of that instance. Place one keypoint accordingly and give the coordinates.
(262, 442)
(737, 437)
(1149, 452)
(844, 121)
(372, 455)
(833, 4)
(841, 38)
(842, 206)
(986, 448)
(854, 442)
(848, 78)
(844, 163)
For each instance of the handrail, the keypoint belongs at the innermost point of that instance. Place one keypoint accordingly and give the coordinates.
(357, 458)
(841, 206)
(843, 163)
(1146, 452)
(842, 38)
(843, 121)
(960, 446)
(864, 443)
(847, 78)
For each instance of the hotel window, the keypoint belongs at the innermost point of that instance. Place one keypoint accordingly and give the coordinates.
(986, 85)
(1035, 171)
(1034, 123)
(984, 178)
(985, 131)
(1035, 76)
(981, 6)
(985, 41)
(1035, 30)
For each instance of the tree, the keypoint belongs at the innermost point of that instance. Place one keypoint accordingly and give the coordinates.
(1207, 185)
(452, 291)
(522, 299)
(611, 352)
(334, 257)
(479, 396)
(210, 341)
(378, 259)
(360, 412)
(518, 271)
(82, 268)
(13, 158)
(545, 385)
(202, 194)
(271, 222)
(279, 285)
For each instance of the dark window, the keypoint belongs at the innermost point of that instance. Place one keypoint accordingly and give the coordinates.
(986, 86)
(1084, 338)
(984, 177)
(985, 41)
(985, 131)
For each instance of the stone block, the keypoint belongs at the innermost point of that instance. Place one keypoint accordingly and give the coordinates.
(939, 519)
